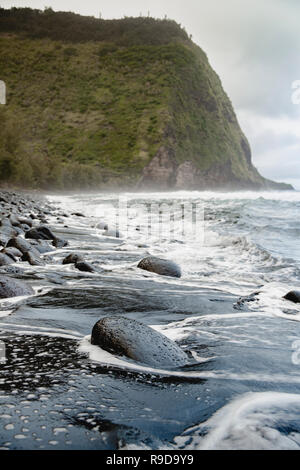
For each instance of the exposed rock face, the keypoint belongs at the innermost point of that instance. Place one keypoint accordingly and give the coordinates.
(163, 172)
(184, 173)
(160, 171)
(13, 288)
(160, 266)
(121, 336)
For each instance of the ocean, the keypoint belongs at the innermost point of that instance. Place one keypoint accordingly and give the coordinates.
(239, 254)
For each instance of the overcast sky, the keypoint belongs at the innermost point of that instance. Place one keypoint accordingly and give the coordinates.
(253, 45)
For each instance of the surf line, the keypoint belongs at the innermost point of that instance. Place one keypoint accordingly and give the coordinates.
(118, 460)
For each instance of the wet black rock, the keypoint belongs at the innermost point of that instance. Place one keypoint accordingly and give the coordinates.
(19, 231)
(25, 221)
(32, 259)
(83, 266)
(293, 296)
(78, 214)
(3, 239)
(7, 229)
(60, 243)
(5, 222)
(13, 269)
(12, 288)
(12, 252)
(42, 246)
(5, 260)
(14, 220)
(22, 245)
(40, 233)
(160, 266)
(72, 259)
(125, 337)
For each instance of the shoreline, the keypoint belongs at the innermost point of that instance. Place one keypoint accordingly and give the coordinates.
(61, 378)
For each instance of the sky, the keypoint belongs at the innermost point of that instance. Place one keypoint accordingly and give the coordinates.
(254, 47)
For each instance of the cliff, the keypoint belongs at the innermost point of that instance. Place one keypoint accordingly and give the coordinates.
(99, 103)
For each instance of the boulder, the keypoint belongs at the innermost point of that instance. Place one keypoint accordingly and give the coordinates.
(3, 239)
(22, 245)
(83, 266)
(40, 233)
(7, 229)
(293, 296)
(13, 288)
(72, 259)
(5, 260)
(25, 221)
(42, 246)
(60, 243)
(18, 230)
(125, 337)
(32, 259)
(14, 220)
(160, 266)
(12, 252)
(5, 222)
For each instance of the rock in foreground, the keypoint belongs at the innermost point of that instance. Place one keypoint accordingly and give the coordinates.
(160, 266)
(122, 336)
(13, 288)
(293, 296)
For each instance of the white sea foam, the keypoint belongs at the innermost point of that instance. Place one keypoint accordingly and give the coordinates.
(105, 358)
(40, 330)
(252, 421)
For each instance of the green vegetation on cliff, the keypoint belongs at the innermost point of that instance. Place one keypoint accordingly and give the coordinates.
(91, 102)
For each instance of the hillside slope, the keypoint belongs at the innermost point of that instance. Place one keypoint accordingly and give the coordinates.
(132, 102)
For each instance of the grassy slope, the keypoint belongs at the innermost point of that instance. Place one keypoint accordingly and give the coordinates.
(99, 108)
